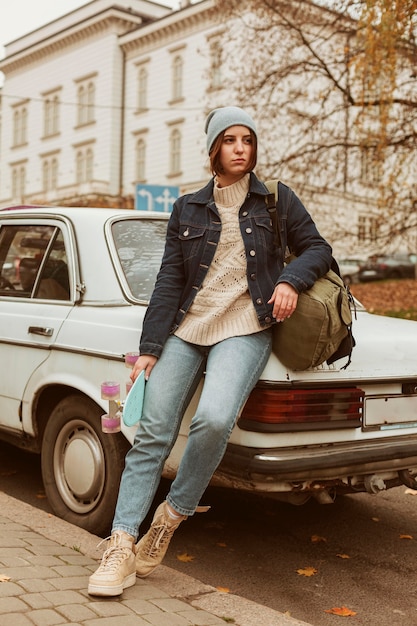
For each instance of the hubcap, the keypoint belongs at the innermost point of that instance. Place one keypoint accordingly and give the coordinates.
(79, 466)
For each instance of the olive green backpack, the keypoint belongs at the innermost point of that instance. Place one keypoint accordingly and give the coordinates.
(320, 329)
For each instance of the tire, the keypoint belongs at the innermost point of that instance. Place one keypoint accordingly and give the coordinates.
(81, 465)
(395, 274)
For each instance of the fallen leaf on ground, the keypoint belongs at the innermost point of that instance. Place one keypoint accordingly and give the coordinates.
(223, 589)
(375, 519)
(317, 538)
(388, 296)
(185, 558)
(4, 578)
(406, 536)
(343, 556)
(41, 495)
(411, 492)
(221, 545)
(307, 571)
(343, 611)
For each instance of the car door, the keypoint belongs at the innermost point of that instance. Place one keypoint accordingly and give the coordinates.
(37, 292)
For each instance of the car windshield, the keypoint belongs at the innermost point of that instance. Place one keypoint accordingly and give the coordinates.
(139, 245)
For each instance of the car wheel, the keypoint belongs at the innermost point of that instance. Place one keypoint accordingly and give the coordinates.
(395, 274)
(81, 465)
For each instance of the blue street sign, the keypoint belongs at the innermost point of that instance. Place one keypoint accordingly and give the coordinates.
(155, 197)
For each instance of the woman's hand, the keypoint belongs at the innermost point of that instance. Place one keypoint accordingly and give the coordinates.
(285, 299)
(144, 362)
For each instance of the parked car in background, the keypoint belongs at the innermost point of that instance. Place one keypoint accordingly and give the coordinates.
(401, 265)
(84, 280)
(349, 269)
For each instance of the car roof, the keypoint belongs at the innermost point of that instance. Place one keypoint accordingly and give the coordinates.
(72, 211)
(89, 224)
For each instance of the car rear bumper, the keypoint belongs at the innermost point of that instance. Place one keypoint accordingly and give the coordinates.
(327, 462)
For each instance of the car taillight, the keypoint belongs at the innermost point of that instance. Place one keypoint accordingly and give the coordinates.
(277, 410)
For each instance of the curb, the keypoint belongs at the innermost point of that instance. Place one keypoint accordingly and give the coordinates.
(177, 585)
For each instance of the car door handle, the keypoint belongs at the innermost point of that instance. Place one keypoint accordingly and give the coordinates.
(39, 330)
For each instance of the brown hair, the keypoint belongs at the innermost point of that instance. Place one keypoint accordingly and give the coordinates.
(216, 166)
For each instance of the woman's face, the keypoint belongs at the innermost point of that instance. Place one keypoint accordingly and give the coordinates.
(235, 154)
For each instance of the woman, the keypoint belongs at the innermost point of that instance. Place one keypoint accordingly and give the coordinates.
(220, 287)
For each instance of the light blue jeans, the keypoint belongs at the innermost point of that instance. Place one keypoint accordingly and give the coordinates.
(232, 368)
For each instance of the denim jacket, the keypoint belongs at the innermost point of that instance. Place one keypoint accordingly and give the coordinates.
(192, 237)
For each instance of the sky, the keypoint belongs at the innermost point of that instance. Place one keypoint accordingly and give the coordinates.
(24, 16)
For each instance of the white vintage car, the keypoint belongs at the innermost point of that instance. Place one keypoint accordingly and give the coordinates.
(75, 283)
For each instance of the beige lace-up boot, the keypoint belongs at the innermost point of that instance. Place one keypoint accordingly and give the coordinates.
(117, 567)
(152, 548)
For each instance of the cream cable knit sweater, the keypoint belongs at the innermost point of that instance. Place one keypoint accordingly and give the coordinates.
(223, 307)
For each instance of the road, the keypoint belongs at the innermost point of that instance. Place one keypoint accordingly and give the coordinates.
(359, 553)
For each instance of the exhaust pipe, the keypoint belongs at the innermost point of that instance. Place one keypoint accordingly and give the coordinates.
(407, 479)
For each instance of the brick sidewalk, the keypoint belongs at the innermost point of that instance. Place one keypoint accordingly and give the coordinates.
(44, 568)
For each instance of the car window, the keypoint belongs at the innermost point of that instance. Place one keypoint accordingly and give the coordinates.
(140, 245)
(33, 262)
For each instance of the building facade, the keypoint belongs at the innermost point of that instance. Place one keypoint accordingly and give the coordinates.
(114, 95)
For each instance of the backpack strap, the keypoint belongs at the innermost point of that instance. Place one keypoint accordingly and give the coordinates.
(278, 210)
(277, 203)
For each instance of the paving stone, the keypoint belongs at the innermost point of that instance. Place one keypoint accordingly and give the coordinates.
(202, 618)
(64, 597)
(36, 600)
(79, 559)
(13, 527)
(141, 607)
(172, 605)
(11, 542)
(15, 552)
(11, 605)
(53, 549)
(46, 560)
(109, 608)
(30, 571)
(33, 585)
(71, 570)
(46, 617)
(15, 619)
(143, 592)
(13, 561)
(128, 620)
(35, 540)
(8, 589)
(167, 619)
(72, 582)
(76, 612)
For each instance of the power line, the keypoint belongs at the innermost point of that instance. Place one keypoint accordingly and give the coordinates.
(99, 106)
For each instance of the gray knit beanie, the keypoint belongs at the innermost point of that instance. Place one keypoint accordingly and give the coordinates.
(219, 120)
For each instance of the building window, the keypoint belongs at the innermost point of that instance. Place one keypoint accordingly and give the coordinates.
(215, 65)
(142, 89)
(177, 77)
(367, 229)
(51, 115)
(175, 152)
(86, 102)
(20, 122)
(49, 174)
(84, 165)
(18, 182)
(370, 165)
(140, 159)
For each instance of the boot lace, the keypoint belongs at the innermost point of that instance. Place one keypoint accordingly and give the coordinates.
(158, 538)
(114, 555)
